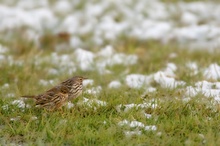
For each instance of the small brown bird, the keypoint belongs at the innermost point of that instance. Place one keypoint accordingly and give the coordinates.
(57, 96)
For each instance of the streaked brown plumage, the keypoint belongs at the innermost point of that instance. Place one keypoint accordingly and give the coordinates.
(57, 96)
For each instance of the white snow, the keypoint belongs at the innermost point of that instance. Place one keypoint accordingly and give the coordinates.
(62, 7)
(46, 83)
(53, 71)
(128, 107)
(38, 19)
(94, 90)
(121, 58)
(208, 89)
(64, 63)
(193, 67)
(98, 22)
(137, 124)
(167, 82)
(105, 22)
(114, 84)
(130, 133)
(212, 72)
(85, 59)
(69, 105)
(3, 49)
(189, 18)
(106, 52)
(92, 103)
(165, 78)
(5, 107)
(88, 82)
(170, 69)
(138, 80)
(148, 116)
(151, 89)
(20, 103)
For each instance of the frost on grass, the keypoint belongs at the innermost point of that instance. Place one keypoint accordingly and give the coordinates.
(96, 21)
(69, 105)
(121, 58)
(60, 61)
(170, 69)
(85, 59)
(208, 89)
(167, 82)
(212, 72)
(128, 107)
(88, 82)
(131, 133)
(92, 103)
(107, 51)
(3, 49)
(166, 78)
(94, 90)
(37, 19)
(138, 125)
(148, 116)
(138, 80)
(46, 83)
(114, 84)
(193, 68)
(108, 57)
(20, 104)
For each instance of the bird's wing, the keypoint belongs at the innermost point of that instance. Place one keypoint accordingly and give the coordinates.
(51, 100)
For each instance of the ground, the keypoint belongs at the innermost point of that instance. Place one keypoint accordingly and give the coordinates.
(155, 88)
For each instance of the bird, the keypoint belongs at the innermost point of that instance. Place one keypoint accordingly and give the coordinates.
(59, 95)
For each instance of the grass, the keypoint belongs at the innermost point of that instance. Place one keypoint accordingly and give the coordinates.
(178, 123)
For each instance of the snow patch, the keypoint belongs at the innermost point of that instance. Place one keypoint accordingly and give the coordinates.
(128, 107)
(167, 82)
(94, 90)
(92, 103)
(208, 89)
(46, 83)
(137, 124)
(212, 72)
(69, 105)
(114, 84)
(138, 80)
(88, 82)
(192, 66)
(131, 133)
(85, 59)
(20, 104)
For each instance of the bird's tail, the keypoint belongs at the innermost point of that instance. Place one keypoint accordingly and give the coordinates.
(28, 96)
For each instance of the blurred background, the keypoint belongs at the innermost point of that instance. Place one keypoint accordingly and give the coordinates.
(69, 24)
